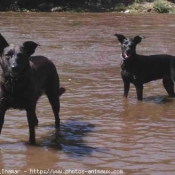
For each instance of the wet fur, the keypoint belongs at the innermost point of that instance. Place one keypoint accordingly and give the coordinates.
(24, 79)
(140, 69)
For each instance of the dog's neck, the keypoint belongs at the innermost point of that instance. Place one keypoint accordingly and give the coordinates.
(122, 57)
(127, 61)
(133, 57)
(8, 83)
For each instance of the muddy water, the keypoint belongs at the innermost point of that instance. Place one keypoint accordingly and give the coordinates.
(99, 129)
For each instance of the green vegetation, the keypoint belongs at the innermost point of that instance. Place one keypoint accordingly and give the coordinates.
(120, 7)
(139, 1)
(158, 6)
(161, 6)
(131, 6)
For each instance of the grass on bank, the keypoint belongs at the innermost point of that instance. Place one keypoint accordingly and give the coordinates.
(162, 6)
(137, 6)
(159, 6)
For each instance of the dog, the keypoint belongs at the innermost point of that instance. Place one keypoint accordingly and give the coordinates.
(24, 79)
(141, 69)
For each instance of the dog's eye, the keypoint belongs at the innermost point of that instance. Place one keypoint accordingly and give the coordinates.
(8, 56)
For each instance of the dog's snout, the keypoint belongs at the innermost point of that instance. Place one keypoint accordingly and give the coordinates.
(14, 66)
(128, 49)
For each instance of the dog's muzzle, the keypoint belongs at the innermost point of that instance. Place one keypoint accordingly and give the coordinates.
(15, 70)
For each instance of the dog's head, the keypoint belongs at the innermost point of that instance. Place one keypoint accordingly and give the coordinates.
(128, 45)
(14, 59)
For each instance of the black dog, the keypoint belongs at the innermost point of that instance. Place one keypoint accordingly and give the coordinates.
(140, 69)
(24, 79)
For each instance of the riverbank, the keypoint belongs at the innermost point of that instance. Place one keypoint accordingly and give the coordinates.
(136, 6)
(157, 6)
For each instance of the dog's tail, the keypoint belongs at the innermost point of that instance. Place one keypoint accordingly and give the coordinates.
(61, 91)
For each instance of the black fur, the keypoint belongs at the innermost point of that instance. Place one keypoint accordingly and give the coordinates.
(24, 79)
(140, 69)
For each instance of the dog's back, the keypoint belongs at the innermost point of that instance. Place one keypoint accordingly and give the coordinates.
(148, 68)
(45, 75)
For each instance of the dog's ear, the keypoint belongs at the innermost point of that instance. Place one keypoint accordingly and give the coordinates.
(30, 47)
(138, 39)
(3, 43)
(120, 37)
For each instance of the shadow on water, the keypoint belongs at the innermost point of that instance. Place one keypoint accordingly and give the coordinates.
(159, 99)
(70, 142)
(70, 139)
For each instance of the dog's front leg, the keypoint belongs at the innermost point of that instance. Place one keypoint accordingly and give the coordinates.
(31, 122)
(139, 91)
(2, 114)
(126, 88)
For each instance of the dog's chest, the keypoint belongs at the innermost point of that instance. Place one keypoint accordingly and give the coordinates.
(19, 101)
(16, 95)
(130, 70)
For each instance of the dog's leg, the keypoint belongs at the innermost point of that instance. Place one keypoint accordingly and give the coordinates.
(2, 114)
(172, 73)
(168, 85)
(35, 117)
(139, 91)
(36, 120)
(126, 88)
(53, 96)
(31, 122)
(55, 103)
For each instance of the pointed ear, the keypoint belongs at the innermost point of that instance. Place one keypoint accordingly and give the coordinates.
(138, 39)
(120, 37)
(3, 43)
(30, 47)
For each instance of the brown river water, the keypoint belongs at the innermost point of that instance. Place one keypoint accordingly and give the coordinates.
(99, 129)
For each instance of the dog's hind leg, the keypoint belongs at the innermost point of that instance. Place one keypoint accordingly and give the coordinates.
(31, 122)
(52, 92)
(35, 118)
(168, 85)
